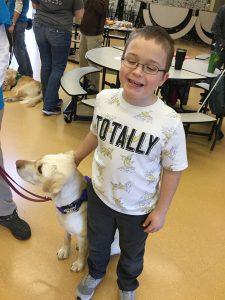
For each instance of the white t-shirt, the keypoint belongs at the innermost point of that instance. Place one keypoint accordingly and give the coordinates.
(134, 144)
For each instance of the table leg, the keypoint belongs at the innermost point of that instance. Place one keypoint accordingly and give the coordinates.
(103, 77)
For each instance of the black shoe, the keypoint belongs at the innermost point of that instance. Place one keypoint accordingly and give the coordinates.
(60, 103)
(18, 227)
(91, 90)
(55, 111)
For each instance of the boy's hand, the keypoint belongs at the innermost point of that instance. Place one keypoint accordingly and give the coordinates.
(76, 160)
(154, 222)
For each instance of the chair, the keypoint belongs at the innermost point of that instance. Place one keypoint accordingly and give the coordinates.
(200, 117)
(70, 83)
(108, 36)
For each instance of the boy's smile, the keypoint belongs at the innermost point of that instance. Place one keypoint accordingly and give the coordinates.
(139, 86)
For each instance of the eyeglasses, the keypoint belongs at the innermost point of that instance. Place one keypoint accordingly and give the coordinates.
(148, 69)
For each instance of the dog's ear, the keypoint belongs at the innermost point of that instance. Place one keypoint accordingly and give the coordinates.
(11, 77)
(53, 185)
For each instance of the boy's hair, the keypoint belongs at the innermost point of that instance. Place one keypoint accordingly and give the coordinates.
(159, 35)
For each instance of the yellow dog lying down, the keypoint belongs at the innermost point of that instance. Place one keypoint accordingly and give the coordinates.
(24, 88)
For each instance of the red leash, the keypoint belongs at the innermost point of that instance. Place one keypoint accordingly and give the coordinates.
(8, 180)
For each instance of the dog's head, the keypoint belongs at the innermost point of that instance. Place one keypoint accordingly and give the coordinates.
(10, 79)
(52, 171)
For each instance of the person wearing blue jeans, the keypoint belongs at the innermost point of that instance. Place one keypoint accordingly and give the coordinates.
(52, 28)
(54, 46)
(18, 14)
(8, 213)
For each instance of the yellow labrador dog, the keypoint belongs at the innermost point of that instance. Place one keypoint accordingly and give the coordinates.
(60, 178)
(24, 89)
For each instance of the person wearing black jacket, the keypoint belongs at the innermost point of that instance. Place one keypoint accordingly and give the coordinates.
(92, 27)
(218, 31)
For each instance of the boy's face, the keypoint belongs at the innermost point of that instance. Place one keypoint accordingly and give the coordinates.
(138, 86)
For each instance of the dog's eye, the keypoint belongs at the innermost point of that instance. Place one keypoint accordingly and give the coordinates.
(40, 169)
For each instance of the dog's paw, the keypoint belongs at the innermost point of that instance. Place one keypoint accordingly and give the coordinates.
(77, 266)
(8, 100)
(63, 253)
(28, 103)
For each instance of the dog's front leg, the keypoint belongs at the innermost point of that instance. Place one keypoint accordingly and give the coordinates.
(79, 264)
(64, 251)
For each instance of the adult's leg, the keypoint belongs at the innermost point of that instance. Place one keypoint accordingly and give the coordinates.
(82, 51)
(45, 54)
(101, 231)
(7, 206)
(132, 244)
(20, 50)
(59, 41)
(92, 43)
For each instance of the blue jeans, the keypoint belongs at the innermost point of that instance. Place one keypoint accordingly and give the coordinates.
(54, 46)
(20, 49)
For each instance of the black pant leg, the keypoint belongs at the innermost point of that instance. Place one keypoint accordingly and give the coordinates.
(132, 244)
(100, 232)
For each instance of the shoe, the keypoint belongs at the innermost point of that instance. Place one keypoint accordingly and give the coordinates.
(56, 111)
(91, 90)
(60, 103)
(19, 228)
(86, 288)
(127, 295)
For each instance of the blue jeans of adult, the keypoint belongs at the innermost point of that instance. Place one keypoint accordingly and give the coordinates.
(54, 46)
(20, 49)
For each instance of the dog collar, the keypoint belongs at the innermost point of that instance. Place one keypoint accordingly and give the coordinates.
(18, 76)
(75, 205)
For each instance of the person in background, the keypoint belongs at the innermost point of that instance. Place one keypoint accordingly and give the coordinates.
(140, 152)
(91, 28)
(218, 31)
(52, 28)
(18, 14)
(8, 214)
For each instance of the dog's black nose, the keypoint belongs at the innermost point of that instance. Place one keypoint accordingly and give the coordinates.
(20, 163)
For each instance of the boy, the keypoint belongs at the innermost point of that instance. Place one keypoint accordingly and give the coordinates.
(139, 142)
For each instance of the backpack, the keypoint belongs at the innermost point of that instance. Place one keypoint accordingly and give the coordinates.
(216, 99)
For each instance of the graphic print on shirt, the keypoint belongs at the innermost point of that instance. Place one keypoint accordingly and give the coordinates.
(144, 116)
(122, 186)
(115, 99)
(127, 163)
(123, 136)
(150, 178)
(100, 171)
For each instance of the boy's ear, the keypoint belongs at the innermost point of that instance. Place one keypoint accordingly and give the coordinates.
(164, 78)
